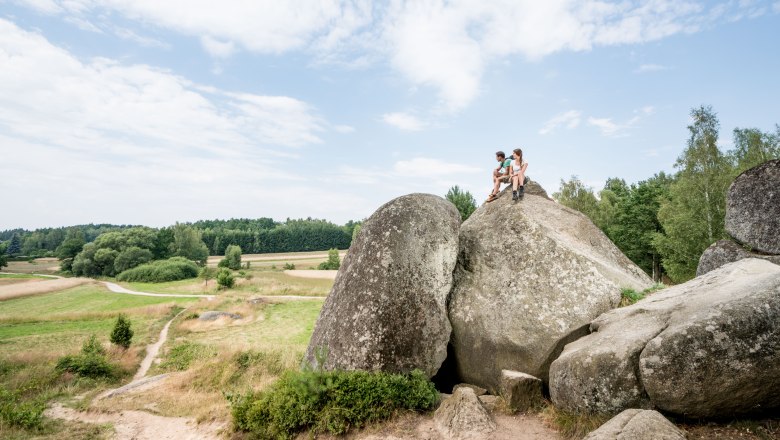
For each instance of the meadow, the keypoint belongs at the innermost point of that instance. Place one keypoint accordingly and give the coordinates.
(208, 360)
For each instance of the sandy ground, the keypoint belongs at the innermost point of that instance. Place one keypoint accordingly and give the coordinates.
(321, 274)
(140, 425)
(119, 289)
(421, 427)
(36, 287)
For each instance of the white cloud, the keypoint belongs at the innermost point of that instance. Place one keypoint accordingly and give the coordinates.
(427, 167)
(403, 121)
(568, 120)
(607, 127)
(776, 7)
(644, 68)
(216, 48)
(344, 129)
(444, 45)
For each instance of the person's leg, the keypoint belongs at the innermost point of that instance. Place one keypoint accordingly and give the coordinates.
(521, 182)
(515, 182)
(496, 183)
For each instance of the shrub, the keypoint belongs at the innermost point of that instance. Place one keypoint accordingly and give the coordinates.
(629, 296)
(122, 334)
(225, 278)
(16, 412)
(289, 266)
(333, 262)
(232, 257)
(181, 356)
(91, 362)
(330, 402)
(172, 269)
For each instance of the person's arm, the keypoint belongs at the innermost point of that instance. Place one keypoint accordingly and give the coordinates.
(524, 167)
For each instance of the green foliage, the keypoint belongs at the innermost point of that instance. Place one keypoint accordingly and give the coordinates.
(356, 231)
(14, 246)
(693, 215)
(172, 269)
(113, 252)
(232, 258)
(187, 243)
(463, 200)
(3, 256)
(180, 357)
(289, 266)
(122, 334)
(225, 278)
(207, 273)
(576, 195)
(330, 402)
(15, 411)
(91, 362)
(753, 147)
(131, 257)
(333, 262)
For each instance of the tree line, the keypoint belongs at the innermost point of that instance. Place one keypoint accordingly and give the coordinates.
(262, 235)
(664, 223)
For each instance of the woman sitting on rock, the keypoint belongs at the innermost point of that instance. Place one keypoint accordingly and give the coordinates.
(517, 174)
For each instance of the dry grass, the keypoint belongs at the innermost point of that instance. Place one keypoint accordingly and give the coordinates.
(153, 311)
(35, 287)
(572, 425)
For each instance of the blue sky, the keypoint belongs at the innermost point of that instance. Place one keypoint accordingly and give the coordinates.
(149, 112)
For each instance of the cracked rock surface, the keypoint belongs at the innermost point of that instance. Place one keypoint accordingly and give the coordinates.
(706, 348)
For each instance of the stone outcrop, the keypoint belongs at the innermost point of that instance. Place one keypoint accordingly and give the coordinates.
(706, 348)
(521, 391)
(753, 208)
(462, 416)
(530, 277)
(724, 252)
(637, 424)
(387, 309)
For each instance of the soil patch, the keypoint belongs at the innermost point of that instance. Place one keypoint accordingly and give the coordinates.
(38, 286)
(320, 274)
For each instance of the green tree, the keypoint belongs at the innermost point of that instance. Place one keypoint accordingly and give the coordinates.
(463, 200)
(3, 256)
(232, 258)
(753, 147)
(14, 246)
(333, 262)
(355, 232)
(131, 257)
(122, 334)
(692, 216)
(206, 274)
(73, 244)
(225, 278)
(187, 243)
(576, 195)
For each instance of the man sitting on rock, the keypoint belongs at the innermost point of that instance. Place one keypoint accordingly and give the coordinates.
(500, 174)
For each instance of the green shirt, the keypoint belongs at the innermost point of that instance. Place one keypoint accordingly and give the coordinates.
(506, 163)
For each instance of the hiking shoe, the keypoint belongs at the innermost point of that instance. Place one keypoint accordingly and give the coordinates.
(521, 193)
(514, 195)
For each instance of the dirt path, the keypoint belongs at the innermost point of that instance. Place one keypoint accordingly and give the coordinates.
(116, 288)
(320, 274)
(140, 425)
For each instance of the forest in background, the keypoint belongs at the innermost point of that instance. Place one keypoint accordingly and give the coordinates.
(664, 223)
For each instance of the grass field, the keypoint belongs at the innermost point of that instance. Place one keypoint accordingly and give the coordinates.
(24, 276)
(40, 265)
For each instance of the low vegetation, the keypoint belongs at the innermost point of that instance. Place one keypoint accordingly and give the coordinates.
(331, 402)
(91, 362)
(122, 334)
(333, 262)
(630, 296)
(172, 269)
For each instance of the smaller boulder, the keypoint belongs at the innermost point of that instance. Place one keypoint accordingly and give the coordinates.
(213, 315)
(724, 252)
(489, 402)
(477, 390)
(637, 424)
(753, 207)
(462, 416)
(521, 391)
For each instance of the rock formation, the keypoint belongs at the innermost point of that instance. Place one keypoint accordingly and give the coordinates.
(387, 309)
(530, 277)
(637, 424)
(753, 208)
(723, 252)
(462, 416)
(706, 348)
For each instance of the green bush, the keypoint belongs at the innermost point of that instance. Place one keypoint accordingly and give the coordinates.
(333, 262)
(330, 402)
(122, 334)
(289, 266)
(232, 258)
(16, 412)
(225, 278)
(91, 362)
(181, 356)
(172, 269)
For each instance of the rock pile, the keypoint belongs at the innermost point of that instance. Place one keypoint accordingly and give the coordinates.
(752, 219)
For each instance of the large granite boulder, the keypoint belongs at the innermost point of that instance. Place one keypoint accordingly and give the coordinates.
(706, 348)
(753, 208)
(724, 252)
(530, 277)
(637, 424)
(387, 309)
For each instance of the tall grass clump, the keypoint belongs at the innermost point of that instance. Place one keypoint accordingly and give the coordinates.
(91, 362)
(334, 402)
(172, 269)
